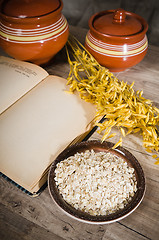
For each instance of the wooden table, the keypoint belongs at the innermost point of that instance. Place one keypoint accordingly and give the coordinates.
(24, 217)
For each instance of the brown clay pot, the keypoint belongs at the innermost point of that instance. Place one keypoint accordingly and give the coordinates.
(117, 39)
(32, 30)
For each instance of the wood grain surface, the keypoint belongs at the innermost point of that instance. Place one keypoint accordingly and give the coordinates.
(24, 217)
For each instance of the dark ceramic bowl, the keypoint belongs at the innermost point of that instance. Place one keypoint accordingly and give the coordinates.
(85, 217)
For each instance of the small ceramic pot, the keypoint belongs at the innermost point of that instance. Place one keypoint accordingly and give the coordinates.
(117, 39)
(32, 30)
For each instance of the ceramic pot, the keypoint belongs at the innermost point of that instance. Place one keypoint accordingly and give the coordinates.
(32, 30)
(117, 39)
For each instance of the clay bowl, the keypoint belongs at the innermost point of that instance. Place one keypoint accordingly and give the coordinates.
(32, 30)
(117, 39)
(82, 216)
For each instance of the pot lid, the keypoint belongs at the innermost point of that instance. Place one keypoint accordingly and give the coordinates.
(117, 22)
(29, 8)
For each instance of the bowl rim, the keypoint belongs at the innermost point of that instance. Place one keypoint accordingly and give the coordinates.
(82, 216)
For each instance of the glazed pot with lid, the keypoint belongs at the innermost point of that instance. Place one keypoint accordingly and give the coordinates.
(117, 39)
(32, 30)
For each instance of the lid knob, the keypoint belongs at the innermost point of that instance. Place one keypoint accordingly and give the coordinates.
(119, 16)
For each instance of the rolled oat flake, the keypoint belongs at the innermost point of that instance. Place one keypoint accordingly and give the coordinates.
(99, 183)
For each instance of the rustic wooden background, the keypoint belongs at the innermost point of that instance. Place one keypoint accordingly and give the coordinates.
(78, 12)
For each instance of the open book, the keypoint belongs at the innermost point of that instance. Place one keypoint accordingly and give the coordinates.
(38, 119)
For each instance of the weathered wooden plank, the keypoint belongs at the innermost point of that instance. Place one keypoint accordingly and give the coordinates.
(43, 212)
(145, 219)
(51, 218)
(145, 74)
(13, 226)
(121, 231)
(42, 217)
